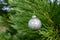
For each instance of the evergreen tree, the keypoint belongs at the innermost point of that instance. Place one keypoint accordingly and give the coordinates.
(14, 23)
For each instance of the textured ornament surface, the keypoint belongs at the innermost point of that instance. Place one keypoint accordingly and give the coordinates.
(34, 23)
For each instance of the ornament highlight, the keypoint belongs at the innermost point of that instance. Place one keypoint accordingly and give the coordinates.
(34, 23)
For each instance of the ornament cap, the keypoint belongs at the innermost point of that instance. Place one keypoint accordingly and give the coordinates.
(34, 16)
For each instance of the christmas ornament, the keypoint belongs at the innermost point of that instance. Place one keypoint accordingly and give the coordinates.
(52, 1)
(58, 2)
(2, 2)
(34, 23)
(4, 8)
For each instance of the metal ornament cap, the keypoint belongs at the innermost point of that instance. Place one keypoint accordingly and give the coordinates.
(33, 16)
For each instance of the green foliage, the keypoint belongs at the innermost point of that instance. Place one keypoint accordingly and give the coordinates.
(24, 9)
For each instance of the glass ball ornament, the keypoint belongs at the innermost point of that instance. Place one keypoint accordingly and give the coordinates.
(34, 23)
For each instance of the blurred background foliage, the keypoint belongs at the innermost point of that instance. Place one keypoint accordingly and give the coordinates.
(13, 23)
